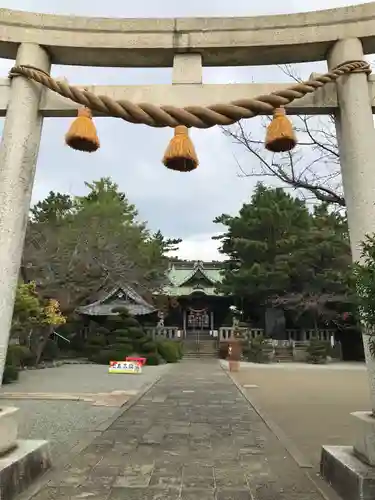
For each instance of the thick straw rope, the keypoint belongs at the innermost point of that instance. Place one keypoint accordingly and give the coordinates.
(191, 116)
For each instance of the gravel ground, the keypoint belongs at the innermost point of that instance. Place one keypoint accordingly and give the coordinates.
(65, 423)
(310, 403)
(81, 379)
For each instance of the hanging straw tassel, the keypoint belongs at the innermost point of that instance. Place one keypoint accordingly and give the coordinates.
(280, 136)
(82, 134)
(180, 154)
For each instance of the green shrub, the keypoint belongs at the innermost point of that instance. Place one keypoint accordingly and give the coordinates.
(317, 351)
(257, 350)
(120, 332)
(168, 350)
(99, 340)
(131, 323)
(105, 356)
(101, 330)
(123, 349)
(152, 359)
(91, 349)
(122, 341)
(77, 344)
(148, 346)
(10, 374)
(145, 340)
(20, 355)
(136, 333)
(51, 350)
(180, 349)
(115, 352)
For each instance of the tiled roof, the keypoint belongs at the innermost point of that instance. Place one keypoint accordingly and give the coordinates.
(119, 296)
(181, 273)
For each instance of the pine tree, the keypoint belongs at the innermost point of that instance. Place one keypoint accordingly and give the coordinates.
(264, 244)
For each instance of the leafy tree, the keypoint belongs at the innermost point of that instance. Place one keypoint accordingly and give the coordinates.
(51, 317)
(364, 276)
(282, 255)
(54, 208)
(27, 310)
(264, 244)
(167, 244)
(325, 289)
(75, 246)
(34, 319)
(312, 169)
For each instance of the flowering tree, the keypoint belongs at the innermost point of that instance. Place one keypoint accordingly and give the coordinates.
(51, 317)
(34, 318)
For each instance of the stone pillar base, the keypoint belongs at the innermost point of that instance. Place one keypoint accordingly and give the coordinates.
(351, 478)
(8, 429)
(350, 470)
(364, 441)
(20, 467)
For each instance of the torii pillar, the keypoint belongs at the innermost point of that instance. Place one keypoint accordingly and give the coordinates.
(18, 156)
(351, 469)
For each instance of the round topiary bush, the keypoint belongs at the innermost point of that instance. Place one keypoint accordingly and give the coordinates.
(120, 332)
(168, 350)
(101, 330)
(106, 355)
(100, 340)
(123, 349)
(130, 322)
(148, 346)
(136, 333)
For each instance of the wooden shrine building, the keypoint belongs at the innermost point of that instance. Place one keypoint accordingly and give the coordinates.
(195, 304)
(119, 296)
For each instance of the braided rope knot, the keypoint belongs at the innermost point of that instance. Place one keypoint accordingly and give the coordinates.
(190, 116)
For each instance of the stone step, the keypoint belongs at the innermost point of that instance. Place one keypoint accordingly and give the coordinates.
(193, 355)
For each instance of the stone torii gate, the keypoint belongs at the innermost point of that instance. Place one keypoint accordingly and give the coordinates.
(39, 40)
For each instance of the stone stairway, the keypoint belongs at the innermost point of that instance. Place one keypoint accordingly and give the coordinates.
(201, 345)
(283, 354)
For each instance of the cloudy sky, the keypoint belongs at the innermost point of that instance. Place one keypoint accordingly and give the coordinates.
(180, 205)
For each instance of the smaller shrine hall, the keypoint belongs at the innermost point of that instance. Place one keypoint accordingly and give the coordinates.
(121, 295)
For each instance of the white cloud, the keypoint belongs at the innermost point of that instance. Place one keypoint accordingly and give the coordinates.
(200, 247)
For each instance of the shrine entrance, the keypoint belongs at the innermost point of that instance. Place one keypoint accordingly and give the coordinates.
(199, 324)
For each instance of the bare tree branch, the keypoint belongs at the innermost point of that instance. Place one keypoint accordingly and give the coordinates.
(313, 168)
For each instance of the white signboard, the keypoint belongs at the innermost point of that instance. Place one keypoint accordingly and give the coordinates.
(130, 367)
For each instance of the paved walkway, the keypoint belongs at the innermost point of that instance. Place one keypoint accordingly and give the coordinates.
(193, 436)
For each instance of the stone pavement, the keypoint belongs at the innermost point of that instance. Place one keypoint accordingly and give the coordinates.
(193, 436)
